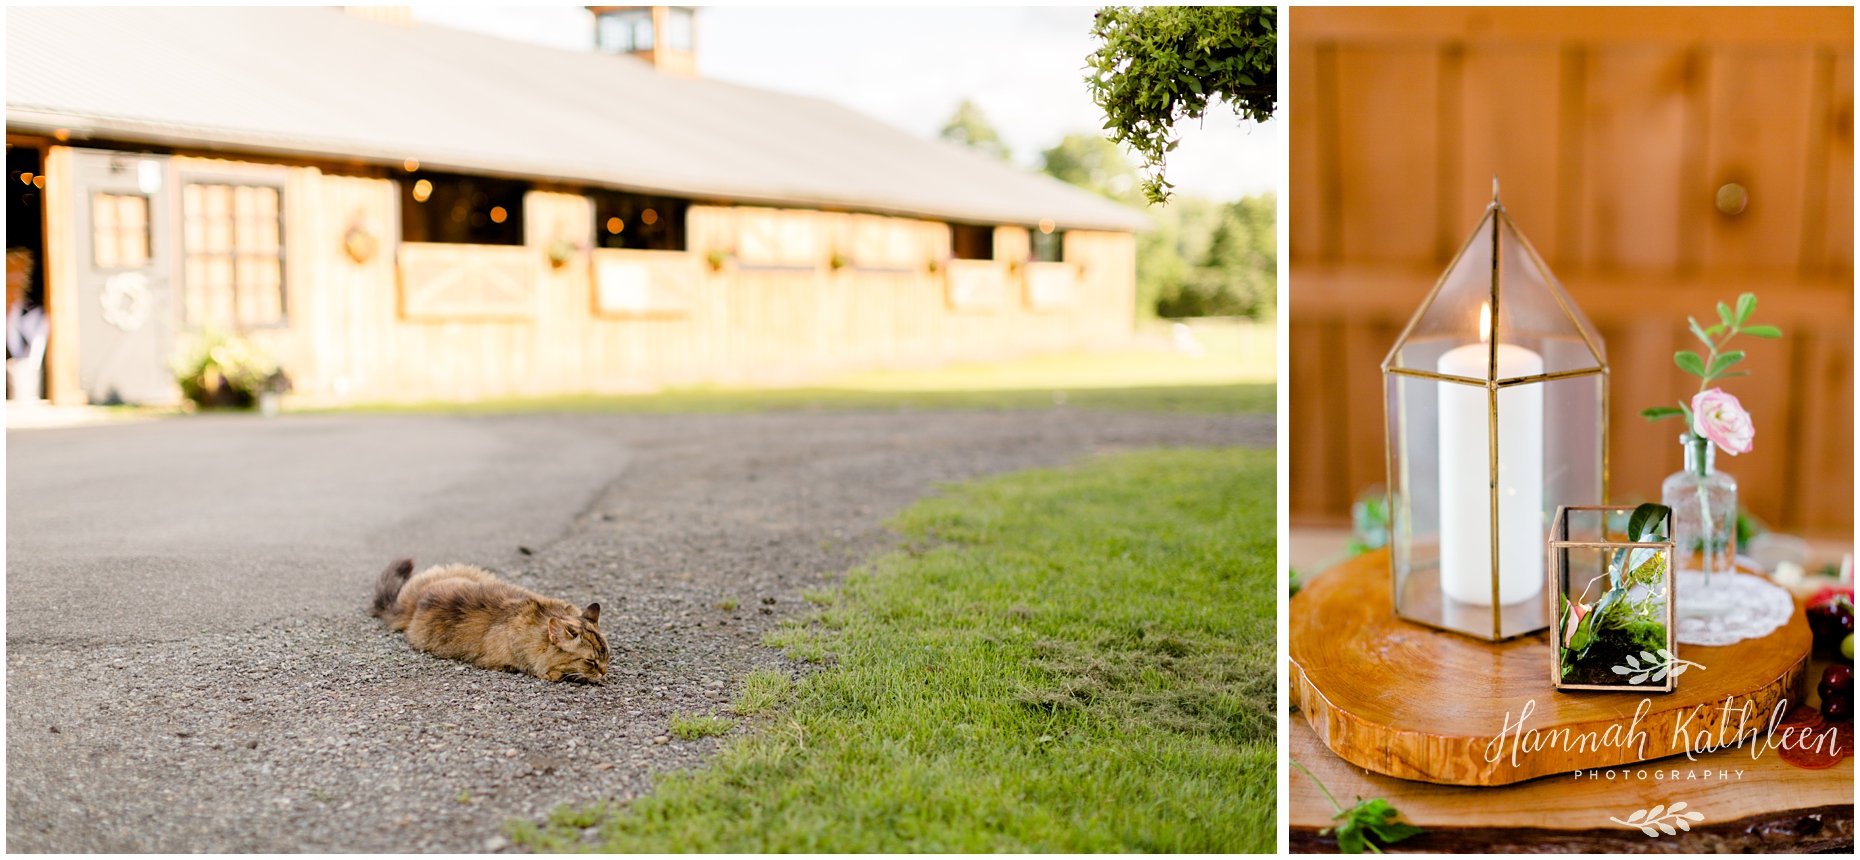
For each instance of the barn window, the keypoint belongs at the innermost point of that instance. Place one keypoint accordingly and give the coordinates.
(641, 221)
(461, 210)
(625, 30)
(1049, 245)
(119, 226)
(234, 270)
(679, 28)
(972, 241)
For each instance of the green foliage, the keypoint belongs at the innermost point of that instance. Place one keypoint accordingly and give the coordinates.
(1748, 527)
(1371, 818)
(1363, 825)
(1202, 258)
(1160, 64)
(1073, 660)
(1618, 625)
(1094, 163)
(1648, 521)
(1717, 362)
(224, 370)
(1369, 531)
(1208, 259)
(1616, 638)
(1369, 522)
(970, 128)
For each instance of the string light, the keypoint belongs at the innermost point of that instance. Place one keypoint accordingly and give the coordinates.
(650, 217)
(615, 225)
(498, 214)
(422, 190)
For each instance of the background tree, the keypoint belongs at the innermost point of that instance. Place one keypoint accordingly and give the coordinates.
(1093, 163)
(1200, 257)
(1160, 64)
(971, 129)
(1237, 269)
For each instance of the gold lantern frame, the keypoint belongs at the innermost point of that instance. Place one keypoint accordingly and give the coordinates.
(1557, 567)
(1508, 249)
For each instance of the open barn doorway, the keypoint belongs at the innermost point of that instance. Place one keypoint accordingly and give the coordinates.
(26, 329)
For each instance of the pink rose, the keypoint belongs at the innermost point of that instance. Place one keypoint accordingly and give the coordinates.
(1719, 417)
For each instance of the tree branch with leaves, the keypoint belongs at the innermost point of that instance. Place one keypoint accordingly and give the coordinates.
(1158, 65)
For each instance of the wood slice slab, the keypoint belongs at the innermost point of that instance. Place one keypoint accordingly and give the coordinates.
(1417, 703)
(1765, 805)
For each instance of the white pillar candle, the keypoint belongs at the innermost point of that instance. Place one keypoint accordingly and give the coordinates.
(1465, 472)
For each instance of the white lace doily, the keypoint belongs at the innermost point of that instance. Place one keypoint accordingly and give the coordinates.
(1752, 607)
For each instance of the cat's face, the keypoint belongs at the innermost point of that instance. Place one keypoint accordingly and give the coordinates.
(580, 652)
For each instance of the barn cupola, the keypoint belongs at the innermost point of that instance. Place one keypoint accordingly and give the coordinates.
(664, 36)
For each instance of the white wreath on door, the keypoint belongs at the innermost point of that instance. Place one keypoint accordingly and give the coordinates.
(126, 300)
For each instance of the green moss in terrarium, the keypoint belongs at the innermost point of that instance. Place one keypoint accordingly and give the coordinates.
(1627, 621)
(1622, 634)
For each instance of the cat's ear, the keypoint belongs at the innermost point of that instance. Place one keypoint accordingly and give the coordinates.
(592, 613)
(556, 630)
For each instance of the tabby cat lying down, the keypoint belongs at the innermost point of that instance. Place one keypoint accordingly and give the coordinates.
(465, 613)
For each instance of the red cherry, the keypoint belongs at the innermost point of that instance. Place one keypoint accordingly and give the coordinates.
(1830, 620)
(1837, 692)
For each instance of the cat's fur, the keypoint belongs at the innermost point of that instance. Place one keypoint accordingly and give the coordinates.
(465, 613)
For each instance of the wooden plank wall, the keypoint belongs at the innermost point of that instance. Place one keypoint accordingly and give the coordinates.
(60, 268)
(350, 341)
(1611, 131)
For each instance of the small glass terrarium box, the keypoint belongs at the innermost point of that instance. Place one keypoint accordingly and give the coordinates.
(1612, 571)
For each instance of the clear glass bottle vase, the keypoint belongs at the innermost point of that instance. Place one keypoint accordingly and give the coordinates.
(1704, 503)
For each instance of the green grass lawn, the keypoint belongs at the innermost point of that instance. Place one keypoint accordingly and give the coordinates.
(1060, 660)
(1243, 397)
(1234, 374)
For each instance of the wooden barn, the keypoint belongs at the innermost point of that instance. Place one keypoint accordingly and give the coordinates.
(400, 212)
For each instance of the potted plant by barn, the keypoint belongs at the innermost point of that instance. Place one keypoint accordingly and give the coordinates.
(225, 371)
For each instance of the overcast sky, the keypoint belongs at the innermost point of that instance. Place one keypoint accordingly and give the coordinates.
(911, 66)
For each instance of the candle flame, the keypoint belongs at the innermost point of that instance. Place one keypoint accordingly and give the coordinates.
(1485, 322)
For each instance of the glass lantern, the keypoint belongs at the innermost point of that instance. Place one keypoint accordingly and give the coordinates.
(1497, 403)
(1611, 571)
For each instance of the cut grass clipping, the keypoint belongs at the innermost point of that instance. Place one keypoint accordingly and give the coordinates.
(1063, 660)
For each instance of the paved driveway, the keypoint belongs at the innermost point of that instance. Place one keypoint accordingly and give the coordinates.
(189, 667)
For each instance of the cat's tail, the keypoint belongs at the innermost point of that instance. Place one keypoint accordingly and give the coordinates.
(388, 585)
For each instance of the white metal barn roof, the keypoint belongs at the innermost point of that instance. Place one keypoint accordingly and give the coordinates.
(314, 82)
